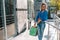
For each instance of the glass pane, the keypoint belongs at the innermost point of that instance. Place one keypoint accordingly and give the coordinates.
(10, 21)
(1, 23)
(1, 34)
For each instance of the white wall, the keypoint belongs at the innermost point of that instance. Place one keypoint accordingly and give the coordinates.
(21, 15)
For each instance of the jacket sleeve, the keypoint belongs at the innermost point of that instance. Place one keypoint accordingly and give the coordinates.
(45, 16)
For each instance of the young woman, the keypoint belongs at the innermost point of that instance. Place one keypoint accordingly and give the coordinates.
(40, 18)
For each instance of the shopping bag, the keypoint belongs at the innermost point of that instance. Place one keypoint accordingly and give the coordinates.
(33, 31)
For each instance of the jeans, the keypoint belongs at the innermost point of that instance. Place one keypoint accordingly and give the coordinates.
(41, 27)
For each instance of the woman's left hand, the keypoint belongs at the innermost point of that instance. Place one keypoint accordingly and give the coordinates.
(39, 20)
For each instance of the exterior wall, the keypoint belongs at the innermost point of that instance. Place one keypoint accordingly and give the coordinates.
(21, 14)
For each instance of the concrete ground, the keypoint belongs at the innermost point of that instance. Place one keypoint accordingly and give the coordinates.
(26, 36)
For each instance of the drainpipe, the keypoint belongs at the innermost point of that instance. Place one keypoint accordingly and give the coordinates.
(4, 17)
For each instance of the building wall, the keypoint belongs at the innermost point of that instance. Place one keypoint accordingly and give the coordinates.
(21, 14)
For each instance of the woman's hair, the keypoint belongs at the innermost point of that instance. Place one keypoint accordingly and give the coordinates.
(43, 4)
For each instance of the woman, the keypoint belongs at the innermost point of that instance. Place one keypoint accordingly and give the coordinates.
(40, 18)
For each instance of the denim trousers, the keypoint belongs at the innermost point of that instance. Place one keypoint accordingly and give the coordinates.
(41, 27)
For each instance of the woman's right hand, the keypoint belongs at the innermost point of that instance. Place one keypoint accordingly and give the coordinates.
(34, 25)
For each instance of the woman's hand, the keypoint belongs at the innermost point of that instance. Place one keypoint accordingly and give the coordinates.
(39, 20)
(34, 25)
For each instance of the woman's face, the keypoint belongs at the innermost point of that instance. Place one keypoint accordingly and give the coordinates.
(43, 7)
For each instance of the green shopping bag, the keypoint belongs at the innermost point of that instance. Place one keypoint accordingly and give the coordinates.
(33, 31)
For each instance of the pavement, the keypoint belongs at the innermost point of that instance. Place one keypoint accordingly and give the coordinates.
(25, 35)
